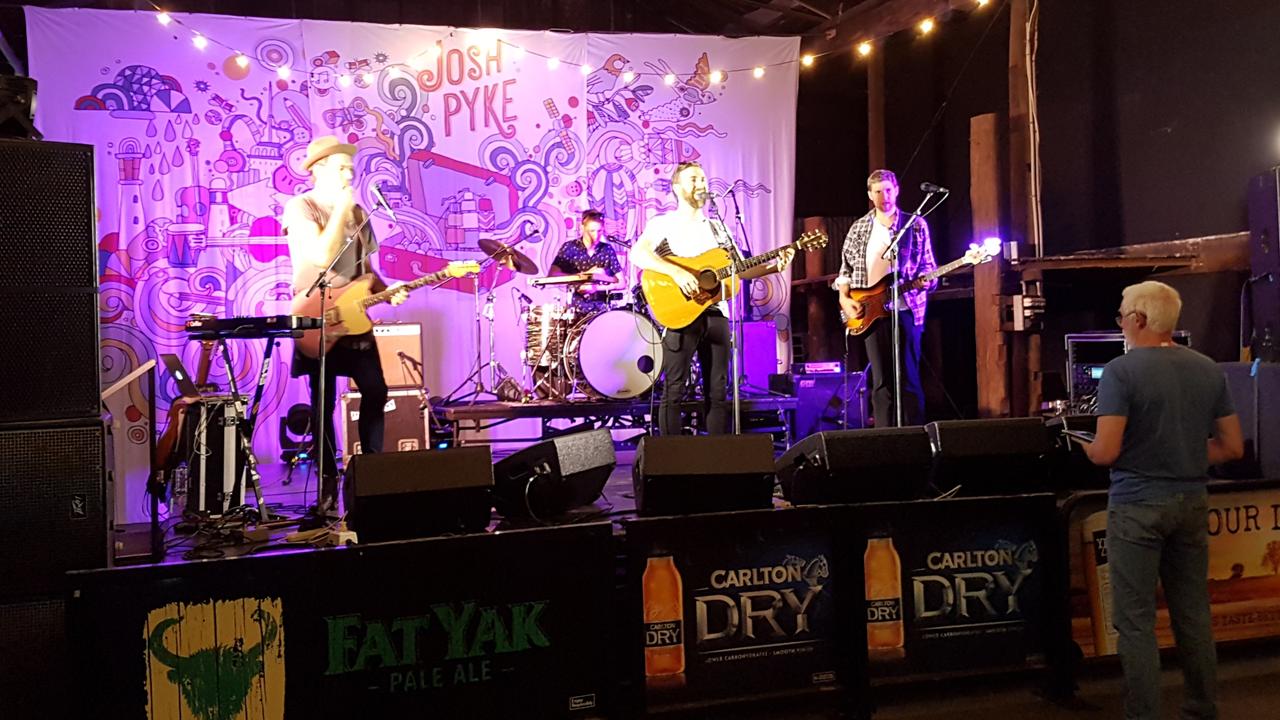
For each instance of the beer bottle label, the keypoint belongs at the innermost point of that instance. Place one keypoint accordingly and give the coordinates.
(884, 610)
(667, 633)
(1100, 547)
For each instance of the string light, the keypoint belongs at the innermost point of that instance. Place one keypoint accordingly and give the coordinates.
(242, 60)
(926, 26)
(806, 60)
(983, 3)
(283, 72)
(164, 18)
(201, 42)
(366, 77)
(553, 63)
(669, 79)
(864, 48)
(757, 73)
(344, 80)
(628, 77)
(717, 76)
(585, 69)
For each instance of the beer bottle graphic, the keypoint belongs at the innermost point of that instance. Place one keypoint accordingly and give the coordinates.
(663, 618)
(882, 572)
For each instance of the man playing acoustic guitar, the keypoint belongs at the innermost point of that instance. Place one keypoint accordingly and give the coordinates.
(317, 223)
(862, 265)
(687, 232)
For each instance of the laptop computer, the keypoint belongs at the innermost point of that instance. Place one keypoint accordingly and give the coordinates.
(186, 385)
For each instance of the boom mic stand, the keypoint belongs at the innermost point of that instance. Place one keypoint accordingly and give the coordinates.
(735, 318)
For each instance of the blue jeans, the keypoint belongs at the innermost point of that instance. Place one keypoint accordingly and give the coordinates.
(1166, 539)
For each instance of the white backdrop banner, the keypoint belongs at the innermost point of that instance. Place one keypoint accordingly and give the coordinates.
(473, 134)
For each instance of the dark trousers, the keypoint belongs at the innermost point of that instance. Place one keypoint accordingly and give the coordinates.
(708, 337)
(880, 352)
(356, 358)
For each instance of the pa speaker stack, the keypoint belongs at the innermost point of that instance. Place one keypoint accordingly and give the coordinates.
(403, 495)
(696, 474)
(553, 477)
(854, 466)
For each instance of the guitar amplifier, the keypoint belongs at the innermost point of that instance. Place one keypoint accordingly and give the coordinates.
(400, 353)
(215, 459)
(407, 428)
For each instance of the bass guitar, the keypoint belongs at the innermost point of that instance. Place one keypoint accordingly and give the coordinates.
(715, 271)
(348, 311)
(877, 298)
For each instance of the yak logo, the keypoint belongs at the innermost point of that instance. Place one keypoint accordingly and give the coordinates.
(220, 660)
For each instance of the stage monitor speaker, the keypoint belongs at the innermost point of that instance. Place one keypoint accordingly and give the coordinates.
(36, 661)
(697, 474)
(397, 496)
(48, 283)
(857, 466)
(822, 401)
(53, 505)
(990, 457)
(552, 477)
(1264, 262)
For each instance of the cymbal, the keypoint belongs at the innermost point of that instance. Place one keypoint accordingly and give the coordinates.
(579, 279)
(509, 256)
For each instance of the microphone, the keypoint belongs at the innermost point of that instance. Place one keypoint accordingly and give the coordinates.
(527, 300)
(405, 358)
(704, 195)
(377, 193)
(1262, 276)
(929, 187)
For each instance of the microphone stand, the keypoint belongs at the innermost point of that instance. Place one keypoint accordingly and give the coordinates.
(891, 254)
(322, 283)
(746, 242)
(734, 318)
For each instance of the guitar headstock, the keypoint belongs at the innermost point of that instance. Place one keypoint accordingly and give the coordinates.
(462, 268)
(980, 253)
(812, 240)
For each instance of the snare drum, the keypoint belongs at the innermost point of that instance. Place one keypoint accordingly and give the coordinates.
(615, 354)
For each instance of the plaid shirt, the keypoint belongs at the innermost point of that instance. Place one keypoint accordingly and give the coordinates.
(915, 255)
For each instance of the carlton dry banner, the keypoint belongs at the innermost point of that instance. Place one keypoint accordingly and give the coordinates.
(471, 135)
(488, 626)
(738, 605)
(957, 585)
(1244, 568)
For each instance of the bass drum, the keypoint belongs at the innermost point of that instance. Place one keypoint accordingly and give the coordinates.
(615, 354)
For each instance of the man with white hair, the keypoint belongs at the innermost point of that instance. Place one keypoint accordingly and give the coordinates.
(1164, 416)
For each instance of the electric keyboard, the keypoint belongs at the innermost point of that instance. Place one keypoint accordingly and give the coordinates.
(249, 328)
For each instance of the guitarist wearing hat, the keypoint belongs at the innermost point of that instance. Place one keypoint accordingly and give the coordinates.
(318, 223)
(862, 265)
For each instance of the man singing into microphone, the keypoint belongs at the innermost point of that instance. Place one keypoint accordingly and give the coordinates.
(318, 223)
(863, 264)
(688, 232)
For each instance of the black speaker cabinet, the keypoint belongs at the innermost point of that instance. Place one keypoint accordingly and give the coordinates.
(990, 457)
(856, 466)
(48, 283)
(397, 496)
(835, 401)
(1255, 392)
(552, 477)
(53, 505)
(696, 474)
(1263, 335)
(35, 668)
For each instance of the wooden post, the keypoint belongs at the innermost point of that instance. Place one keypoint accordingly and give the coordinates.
(985, 193)
(819, 302)
(1028, 375)
(875, 111)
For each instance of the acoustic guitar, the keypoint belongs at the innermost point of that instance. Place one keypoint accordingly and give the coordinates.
(877, 298)
(347, 311)
(715, 271)
(167, 455)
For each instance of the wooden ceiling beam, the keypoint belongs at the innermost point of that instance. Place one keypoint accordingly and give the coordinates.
(873, 19)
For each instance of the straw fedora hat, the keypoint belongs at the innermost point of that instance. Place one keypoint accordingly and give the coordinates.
(324, 146)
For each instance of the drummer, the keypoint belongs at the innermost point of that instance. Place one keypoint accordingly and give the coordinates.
(591, 255)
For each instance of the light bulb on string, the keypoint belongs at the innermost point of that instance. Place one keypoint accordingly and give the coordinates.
(242, 60)
(926, 26)
(757, 73)
(669, 79)
(201, 42)
(164, 18)
(864, 49)
(366, 77)
(806, 60)
(717, 76)
(628, 77)
(344, 80)
(584, 69)
(283, 72)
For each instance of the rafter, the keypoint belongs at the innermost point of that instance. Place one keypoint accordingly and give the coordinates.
(876, 19)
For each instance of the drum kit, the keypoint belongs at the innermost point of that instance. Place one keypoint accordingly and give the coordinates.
(604, 351)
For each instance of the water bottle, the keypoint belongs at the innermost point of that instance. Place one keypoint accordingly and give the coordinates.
(178, 491)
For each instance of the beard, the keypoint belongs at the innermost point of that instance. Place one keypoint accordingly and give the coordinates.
(691, 199)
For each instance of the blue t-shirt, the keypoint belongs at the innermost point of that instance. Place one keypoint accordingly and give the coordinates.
(1172, 397)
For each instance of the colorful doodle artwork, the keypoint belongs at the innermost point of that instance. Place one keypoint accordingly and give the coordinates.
(481, 138)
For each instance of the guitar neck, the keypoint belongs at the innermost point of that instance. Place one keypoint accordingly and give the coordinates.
(920, 280)
(385, 295)
(754, 261)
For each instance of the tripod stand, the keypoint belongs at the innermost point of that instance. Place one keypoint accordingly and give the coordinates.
(495, 368)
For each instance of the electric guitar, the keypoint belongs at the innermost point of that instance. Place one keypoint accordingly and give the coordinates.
(714, 269)
(876, 299)
(348, 313)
